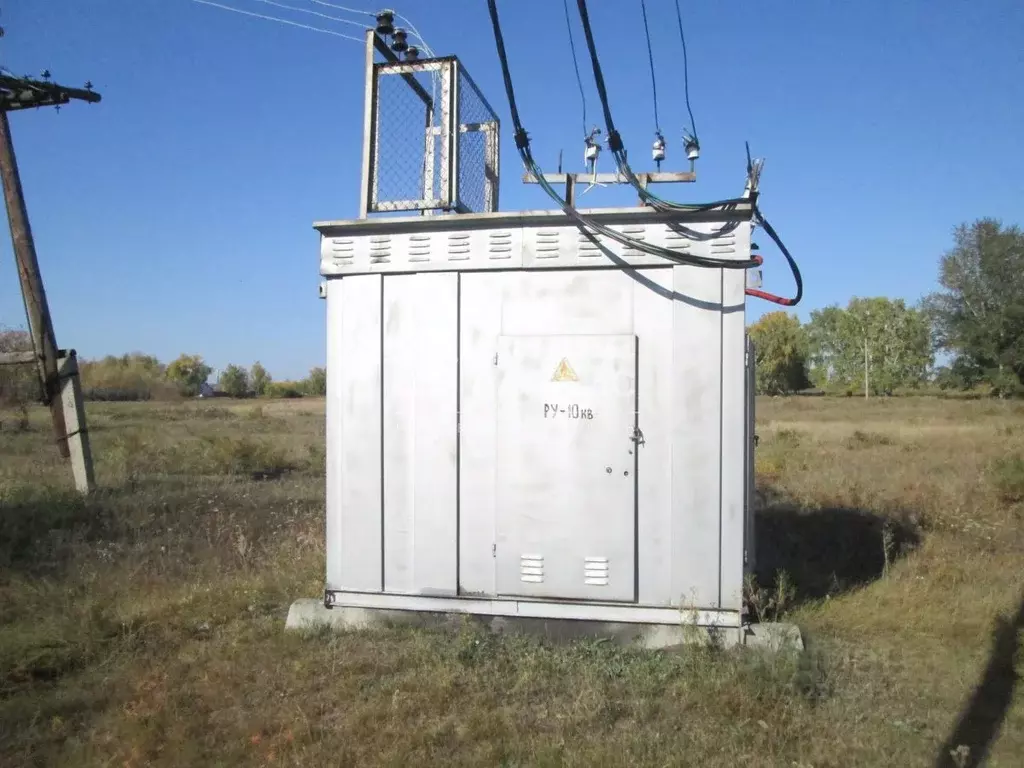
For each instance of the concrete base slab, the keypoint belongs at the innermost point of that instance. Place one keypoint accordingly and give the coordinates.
(311, 614)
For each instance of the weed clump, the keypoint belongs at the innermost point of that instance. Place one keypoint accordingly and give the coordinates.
(258, 459)
(861, 439)
(1008, 478)
(786, 438)
(769, 604)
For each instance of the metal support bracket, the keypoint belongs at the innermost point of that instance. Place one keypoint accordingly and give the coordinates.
(570, 180)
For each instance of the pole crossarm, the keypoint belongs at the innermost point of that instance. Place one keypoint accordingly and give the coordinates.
(18, 358)
(27, 93)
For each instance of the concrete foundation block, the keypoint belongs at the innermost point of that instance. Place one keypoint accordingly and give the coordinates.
(311, 614)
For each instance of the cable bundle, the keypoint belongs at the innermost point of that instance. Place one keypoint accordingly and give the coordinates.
(615, 144)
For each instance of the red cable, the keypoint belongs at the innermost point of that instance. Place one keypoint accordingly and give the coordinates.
(764, 294)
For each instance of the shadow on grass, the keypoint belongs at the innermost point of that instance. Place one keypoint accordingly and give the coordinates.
(978, 725)
(38, 528)
(825, 551)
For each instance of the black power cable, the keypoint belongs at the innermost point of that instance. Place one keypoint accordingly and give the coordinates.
(587, 226)
(618, 150)
(797, 278)
(650, 60)
(575, 64)
(617, 147)
(686, 73)
(614, 140)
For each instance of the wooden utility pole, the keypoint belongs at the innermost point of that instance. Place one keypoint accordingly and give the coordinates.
(57, 369)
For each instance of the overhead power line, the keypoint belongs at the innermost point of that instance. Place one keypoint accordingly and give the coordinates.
(415, 32)
(361, 12)
(357, 11)
(314, 13)
(279, 20)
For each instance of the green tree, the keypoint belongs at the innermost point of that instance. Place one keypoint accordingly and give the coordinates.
(259, 379)
(978, 317)
(780, 353)
(234, 381)
(889, 339)
(316, 382)
(189, 373)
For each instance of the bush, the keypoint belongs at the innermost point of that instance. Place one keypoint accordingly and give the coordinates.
(1008, 478)
(240, 456)
(284, 389)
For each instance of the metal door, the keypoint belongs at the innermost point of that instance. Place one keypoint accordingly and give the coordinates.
(566, 473)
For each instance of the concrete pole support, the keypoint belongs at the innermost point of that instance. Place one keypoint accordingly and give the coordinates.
(77, 433)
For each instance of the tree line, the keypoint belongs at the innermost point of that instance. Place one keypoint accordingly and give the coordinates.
(883, 346)
(143, 377)
(138, 376)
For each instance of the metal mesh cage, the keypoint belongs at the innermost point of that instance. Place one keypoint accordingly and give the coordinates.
(432, 140)
(477, 148)
(407, 126)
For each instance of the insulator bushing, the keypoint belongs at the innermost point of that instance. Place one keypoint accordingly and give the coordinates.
(398, 41)
(385, 23)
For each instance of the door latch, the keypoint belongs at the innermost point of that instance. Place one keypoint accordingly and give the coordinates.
(637, 436)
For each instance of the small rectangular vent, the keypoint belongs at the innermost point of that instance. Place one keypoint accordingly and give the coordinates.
(676, 239)
(343, 248)
(499, 245)
(634, 233)
(548, 245)
(588, 248)
(724, 244)
(595, 571)
(419, 247)
(531, 568)
(459, 245)
(380, 249)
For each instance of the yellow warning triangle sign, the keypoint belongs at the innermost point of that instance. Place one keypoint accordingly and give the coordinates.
(564, 372)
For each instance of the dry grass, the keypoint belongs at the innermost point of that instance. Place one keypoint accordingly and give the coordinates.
(144, 626)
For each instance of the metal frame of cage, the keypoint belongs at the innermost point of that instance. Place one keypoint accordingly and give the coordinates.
(450, 74)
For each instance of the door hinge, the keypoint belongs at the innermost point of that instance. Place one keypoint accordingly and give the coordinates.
(495, 358)
(494, 550)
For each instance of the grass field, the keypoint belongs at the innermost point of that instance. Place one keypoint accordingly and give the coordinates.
(145, 625)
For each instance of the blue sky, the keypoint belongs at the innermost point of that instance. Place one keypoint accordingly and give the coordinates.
(176, 215)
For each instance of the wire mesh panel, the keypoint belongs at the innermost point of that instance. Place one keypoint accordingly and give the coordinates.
(409, 147)
(477, 148)
(433, 140)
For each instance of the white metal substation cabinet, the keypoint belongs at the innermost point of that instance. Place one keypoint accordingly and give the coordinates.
(523, 420)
